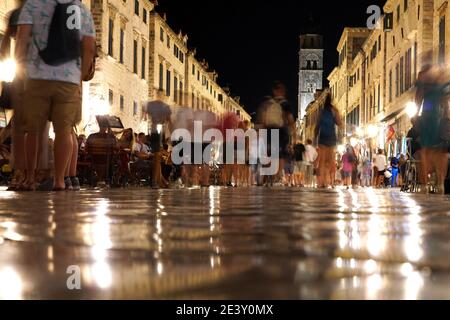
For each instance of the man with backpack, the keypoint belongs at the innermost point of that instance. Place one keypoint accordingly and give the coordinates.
(55, 51)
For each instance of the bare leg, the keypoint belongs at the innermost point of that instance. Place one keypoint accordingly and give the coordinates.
(63, 144)
(31, 149)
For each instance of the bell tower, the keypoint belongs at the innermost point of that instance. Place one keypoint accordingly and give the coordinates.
(311, 70)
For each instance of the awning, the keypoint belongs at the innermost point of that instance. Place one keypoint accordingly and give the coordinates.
(392, 115)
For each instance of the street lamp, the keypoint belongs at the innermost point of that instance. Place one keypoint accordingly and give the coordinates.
(411, 109)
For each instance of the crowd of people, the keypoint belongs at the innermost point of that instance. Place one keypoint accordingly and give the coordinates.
(47, 90)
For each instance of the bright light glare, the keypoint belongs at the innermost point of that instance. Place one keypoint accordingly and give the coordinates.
(159, 128)
(354, 142)
(341, 148)
(411, 109)
(8, 70)
(373, 131)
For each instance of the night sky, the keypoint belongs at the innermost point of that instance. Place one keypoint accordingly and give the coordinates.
(252, 43)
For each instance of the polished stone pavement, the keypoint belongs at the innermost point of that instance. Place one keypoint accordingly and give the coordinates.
(255, 243)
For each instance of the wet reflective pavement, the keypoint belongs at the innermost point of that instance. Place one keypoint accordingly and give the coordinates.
(217, 243)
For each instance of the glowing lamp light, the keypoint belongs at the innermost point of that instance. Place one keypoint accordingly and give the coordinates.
(411, 109)
(8, 69)
(341, 149)
(99, 107)
(372, 131)
(159, 128)
(353, 142)
(360, 132)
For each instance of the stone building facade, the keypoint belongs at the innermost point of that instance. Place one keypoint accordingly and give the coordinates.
(375, 80)
(120, 86)
(168, 60)
(133, 41)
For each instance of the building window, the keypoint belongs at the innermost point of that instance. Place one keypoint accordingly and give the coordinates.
(397, 80)
(398, 13)
(180, 90)
(143, 63)
(390, 86)
(181, 57)
(408, 65)
(111, 97)
(442, 40)
(193, 69)
(175, 89)
(415, 61)
(161, 76)
(135, 108)
(168, 79)
(144, 15)
(379, 98)
(161, 34)
(402, 83)
(122, 103)
(379, 43)
(198, 75)
(168, 41)
(405, 5)
(111, 37)
(136, 7)
(122, 45)
(193, 100)
(176, 51)
(135, 56)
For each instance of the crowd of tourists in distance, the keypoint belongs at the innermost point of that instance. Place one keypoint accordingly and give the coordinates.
(47, 89)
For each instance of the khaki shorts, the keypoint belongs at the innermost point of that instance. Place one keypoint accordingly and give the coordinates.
(59, 102)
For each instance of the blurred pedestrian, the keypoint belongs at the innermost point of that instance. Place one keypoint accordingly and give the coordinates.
(326, 134)
(433, 124)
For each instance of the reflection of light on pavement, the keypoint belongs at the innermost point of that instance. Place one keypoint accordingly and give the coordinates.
(159, 268)
(10, 232)
(375, 241)
(413, 242)
(11, 285)
(341, 201)
(355, 202)
(406, 269)
(101, 272)
(99, 236)
(374, 200)
(413, 285)
(374, 284)
(370, 266)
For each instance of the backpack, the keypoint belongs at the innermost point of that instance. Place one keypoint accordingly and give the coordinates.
(273, 114)
(63, 44)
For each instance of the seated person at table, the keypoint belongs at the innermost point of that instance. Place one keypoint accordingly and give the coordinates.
(100, 147)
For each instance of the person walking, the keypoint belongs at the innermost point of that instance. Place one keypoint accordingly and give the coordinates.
(347, 167)
(311, 156)
(326, 134)
(380, 166)
(433, 125)
(54, 72)
(160, 113)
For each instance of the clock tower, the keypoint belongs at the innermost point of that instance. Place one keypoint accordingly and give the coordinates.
(311, 70)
